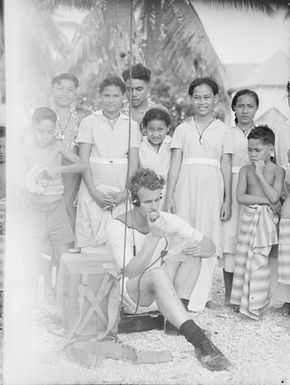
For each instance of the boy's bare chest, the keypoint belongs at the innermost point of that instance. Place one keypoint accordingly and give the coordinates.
(253, 180)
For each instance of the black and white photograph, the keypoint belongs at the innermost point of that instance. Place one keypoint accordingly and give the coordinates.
(145, 192)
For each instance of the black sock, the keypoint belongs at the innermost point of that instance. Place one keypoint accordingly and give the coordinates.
(185, 302)
(192, 332)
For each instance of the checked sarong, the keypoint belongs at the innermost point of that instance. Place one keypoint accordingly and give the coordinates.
(257, 235)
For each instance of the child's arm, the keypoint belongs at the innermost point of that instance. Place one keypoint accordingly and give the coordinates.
(101, 199)
(242, 197)
(119, 197)
(175, 164)
(226, 168)
(273, 193)
(78, 164)
(134, 159)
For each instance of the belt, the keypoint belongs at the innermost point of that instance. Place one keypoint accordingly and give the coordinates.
(211, 162)
(94, 159)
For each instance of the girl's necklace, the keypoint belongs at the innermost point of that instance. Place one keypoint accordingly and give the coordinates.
(62, 129)
(247, 131)
(111, 120)
(201, 132)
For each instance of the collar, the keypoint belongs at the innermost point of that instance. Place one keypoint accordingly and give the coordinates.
(167, 139)
(100, 113)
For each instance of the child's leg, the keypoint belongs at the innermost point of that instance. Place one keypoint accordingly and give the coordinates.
(228, 273)
(228, 280)
(59, 251)
(45, 268)
(61, 233)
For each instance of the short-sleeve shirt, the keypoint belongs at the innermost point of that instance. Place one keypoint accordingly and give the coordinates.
(178, 230)
(108, 142)
(216, 139)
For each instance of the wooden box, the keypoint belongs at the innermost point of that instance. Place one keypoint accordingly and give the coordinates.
(83, 292)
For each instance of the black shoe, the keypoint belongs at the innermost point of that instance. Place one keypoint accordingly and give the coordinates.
(211, 357)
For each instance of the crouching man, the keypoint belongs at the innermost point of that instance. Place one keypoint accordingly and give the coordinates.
(151, 285)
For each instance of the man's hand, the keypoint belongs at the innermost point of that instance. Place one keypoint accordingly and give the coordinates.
(193, 249)
(260, 165)
(157, 228)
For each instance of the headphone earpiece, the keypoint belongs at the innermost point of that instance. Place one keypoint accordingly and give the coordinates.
(135, 200)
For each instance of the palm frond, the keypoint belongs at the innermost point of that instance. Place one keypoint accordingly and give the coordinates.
(258, 5)
(186, 44)
(149, 25)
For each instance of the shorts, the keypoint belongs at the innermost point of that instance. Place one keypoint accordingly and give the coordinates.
(50, 222)
(130, 305)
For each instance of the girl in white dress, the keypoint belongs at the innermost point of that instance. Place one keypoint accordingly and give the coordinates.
(103, 139)
(199, 178)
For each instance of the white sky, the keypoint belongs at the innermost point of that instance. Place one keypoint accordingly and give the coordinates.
(244, 36)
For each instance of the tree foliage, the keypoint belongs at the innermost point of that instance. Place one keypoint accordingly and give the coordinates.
(168, 36)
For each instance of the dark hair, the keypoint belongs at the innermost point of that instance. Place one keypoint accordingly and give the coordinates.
(65, 76)
(112, 81)
(242, 92)
(263, 133)
(158, 114)
(147, 178)
(43, 113)
(288, 87)
(139, 71)
(200, 81)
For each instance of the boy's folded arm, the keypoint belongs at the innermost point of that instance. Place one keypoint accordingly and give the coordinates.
(273, 193)
(243, 197)
(78, 164)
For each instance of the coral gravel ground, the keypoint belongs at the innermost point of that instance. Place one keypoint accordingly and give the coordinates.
(258, 350)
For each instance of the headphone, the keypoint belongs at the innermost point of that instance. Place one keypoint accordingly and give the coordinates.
(135, 200)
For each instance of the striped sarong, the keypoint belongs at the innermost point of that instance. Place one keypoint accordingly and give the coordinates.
(257, 235)
(284, 251)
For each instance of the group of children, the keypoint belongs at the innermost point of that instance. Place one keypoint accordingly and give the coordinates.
(221, 180)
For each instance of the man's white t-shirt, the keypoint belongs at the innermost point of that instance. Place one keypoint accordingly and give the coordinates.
(179, 233)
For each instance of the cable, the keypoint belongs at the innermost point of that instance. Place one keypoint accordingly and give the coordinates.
(128, 164)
